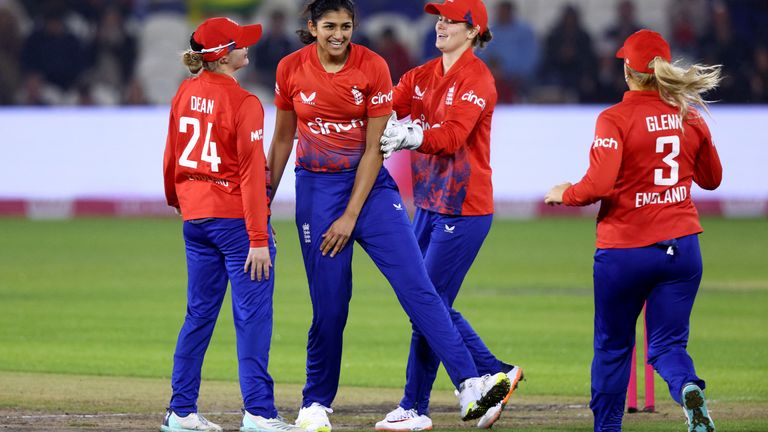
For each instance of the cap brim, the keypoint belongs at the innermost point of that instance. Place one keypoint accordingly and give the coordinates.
(249, 35)
(620, 53)
(432, 8)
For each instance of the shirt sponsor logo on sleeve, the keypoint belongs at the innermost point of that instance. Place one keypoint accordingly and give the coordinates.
(418, 93)
(472, 97)
(359, 98)
(257, 135)
(605, 142)
(277, 89)
(309, 100)
(381, 98)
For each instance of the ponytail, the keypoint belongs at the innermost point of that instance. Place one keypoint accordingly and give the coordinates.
(678, 86)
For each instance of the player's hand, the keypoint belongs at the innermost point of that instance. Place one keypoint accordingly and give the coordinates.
(338, 235)
(401, 136)
(258, 263)
(555, 195)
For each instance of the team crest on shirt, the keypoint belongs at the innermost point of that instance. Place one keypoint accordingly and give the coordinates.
(359, 98)
(418, 93)
(449, 96)
(309, 100)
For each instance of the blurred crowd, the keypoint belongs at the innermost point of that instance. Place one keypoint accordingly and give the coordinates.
(126, 52)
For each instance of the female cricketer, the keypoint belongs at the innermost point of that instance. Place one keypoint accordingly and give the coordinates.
(646, 152)
(215, 177)
(339, 95)
(450, 101)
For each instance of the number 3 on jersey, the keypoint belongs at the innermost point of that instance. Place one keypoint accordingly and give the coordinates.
(209, 147)
(669, 159)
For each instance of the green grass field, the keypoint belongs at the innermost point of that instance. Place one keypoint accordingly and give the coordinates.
(106, 297)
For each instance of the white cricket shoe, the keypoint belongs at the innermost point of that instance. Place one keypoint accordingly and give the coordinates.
(489, 418)
(401, 419)
(695, 408)
(314, 418)
(477, 395)
(192, 422)
(252, 423)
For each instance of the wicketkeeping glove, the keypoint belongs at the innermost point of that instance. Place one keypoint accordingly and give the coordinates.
(401, 136)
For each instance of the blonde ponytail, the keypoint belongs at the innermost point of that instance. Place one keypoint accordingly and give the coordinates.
(678, 86)
(192, 60)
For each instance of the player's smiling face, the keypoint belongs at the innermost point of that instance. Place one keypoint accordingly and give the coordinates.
(451, 35)
(333, 32)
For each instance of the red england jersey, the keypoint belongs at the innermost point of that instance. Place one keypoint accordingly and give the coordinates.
(452, 167)
(214, 163)
(332, 109)
(641, 165)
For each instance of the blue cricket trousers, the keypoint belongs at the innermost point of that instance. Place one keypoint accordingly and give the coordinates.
(216, 253)
(666, 276)
(449, 245)
(384, 232)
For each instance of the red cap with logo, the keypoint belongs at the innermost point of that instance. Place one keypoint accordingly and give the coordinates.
(470, 11)
(641, 47)
(218, 36)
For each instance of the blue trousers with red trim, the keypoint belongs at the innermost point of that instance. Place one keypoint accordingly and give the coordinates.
(666, 276)
(384, 232)
(216, 253)
(449, 245)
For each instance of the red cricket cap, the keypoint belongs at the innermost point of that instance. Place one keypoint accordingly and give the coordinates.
(471, 11)
(218, 36)
(641, 47)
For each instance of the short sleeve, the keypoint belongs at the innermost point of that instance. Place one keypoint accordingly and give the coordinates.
(283, 91)
(379, 101)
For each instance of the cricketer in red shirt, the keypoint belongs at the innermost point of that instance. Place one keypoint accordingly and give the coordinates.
(452, 167)
(332, 108)
(641, 165)
(214, 161)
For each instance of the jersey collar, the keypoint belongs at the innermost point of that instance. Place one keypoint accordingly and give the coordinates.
(636, 95)
(217, 78)
(467, 57)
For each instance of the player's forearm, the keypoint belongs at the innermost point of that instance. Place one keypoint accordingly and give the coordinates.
(279, 152)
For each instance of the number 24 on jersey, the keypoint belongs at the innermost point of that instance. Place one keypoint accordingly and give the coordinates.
(209, 147)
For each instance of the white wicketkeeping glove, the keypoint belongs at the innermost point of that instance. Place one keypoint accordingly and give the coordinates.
(401, 136)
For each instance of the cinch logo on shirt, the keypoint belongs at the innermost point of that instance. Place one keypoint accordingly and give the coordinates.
(605, 142)
(359, 98)
(380, 98)
(257, 135)
(419, 93)
(320, 127)
(422, 121)
(309, 100)
(472, 97)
